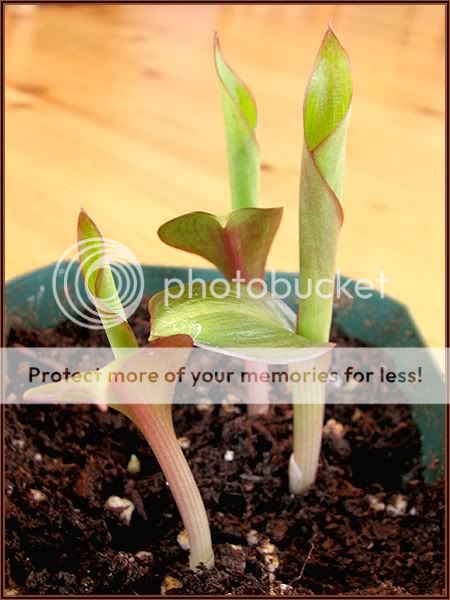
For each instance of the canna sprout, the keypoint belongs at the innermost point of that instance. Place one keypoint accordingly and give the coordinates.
(237, 244)
(326, 115)
(153, 419)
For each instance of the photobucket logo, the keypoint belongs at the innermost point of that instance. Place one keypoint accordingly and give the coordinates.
(80, 264)
(280, 287)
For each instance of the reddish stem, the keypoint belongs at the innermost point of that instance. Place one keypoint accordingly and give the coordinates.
(155, 422)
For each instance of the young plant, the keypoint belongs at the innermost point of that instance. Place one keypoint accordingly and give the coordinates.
(259, 331)
(153, 419)
(326, 114)
(238, 243)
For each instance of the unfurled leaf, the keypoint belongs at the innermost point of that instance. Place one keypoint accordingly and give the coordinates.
(95, 386)
(226, 318)
(88, 387)
(326, 115)
(239, 241)
(239, 110)
(101, 286)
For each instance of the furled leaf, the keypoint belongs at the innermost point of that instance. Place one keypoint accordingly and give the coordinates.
(239, 241)
(239, 110)
(101, 286)
(229, 319)
(326, 115)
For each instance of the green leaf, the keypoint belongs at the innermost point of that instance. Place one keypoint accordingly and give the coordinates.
(239, 110)
(237, 242)
(91, 387)
(326, 116)
(100, 283)
(227, 318)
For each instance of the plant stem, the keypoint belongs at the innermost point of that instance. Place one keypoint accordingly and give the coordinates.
(308, 425)
(155, 422)
(308, 406)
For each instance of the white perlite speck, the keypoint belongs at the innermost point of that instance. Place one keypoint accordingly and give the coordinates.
(229, 456)
(375, 503)
(134, 465)
(143, 555)
(398, 506)
(184, 442)
(122, 506)
(37, 495)
(334, 428)
(252, 537)
(183, 539)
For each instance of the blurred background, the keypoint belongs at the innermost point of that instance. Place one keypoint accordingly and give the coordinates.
(116, 108)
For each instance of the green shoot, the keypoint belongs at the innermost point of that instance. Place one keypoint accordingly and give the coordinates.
(100, 283)
(238, 243)
(153, 419)
(325, 115)
(240, 116)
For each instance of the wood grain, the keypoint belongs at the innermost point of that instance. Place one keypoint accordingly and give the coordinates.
(115, 108)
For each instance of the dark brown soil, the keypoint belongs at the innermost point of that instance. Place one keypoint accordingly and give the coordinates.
(352, 533)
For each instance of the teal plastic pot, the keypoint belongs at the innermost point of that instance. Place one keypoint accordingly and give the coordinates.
(377, 322)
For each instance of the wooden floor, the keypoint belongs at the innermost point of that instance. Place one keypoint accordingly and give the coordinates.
(115, 108)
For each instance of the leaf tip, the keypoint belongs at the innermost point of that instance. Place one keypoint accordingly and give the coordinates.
(86, 228)
(331, 42)
(82, 218)
(329, 91)
(330, 30)
(217, 51)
